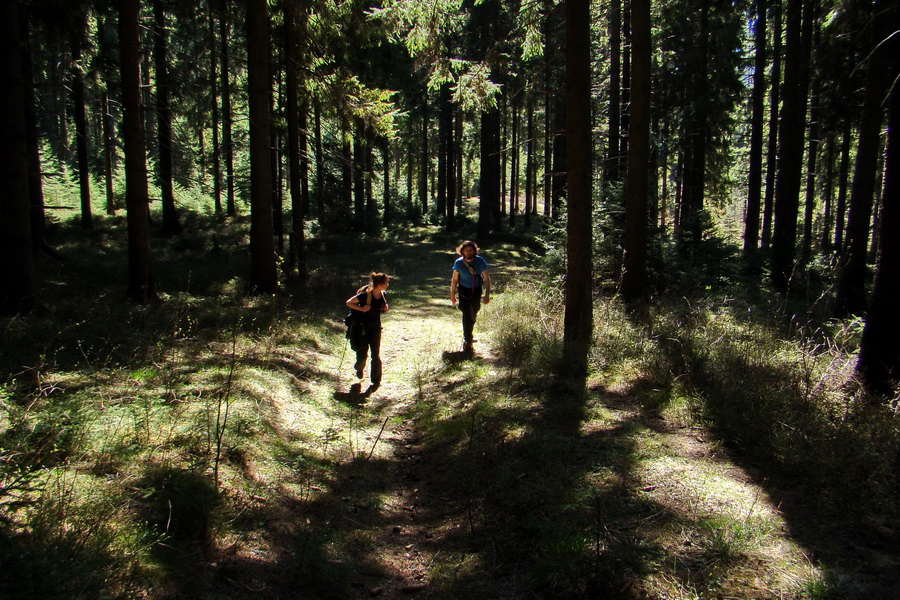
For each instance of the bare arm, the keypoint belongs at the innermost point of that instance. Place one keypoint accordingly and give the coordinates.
(353, 303)
(487, 286)
(454, 281)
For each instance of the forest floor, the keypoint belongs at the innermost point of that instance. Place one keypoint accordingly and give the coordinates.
(460, 477)
(466, 484)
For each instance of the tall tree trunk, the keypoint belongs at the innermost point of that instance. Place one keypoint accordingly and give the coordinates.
(613, 160)
(359, 168)
(18, 279)
(790, 153)
(812, 153)
(227, 142)
(530, 195)
(452, 181)
(170, 221)
(774, 111)
(445, 120)
(635, 282)
(263, 269)
(386, 215)
(578, 321)
(880, 69)
(626, 81)
(80, 114)
(424, 160)
(108, 153)
(35, 178)
(840, 218)
(320, 158)
(514, 160)
(292, 110)
(828, 194)
(757, 103)
(214, 101)
(137, 201)
(879, 350)
(694, 179)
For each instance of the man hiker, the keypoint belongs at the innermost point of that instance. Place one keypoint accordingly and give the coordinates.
(470, 276)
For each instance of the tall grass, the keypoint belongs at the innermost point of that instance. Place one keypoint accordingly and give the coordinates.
(789, 401)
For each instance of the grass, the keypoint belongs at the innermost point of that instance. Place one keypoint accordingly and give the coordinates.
(211, 446)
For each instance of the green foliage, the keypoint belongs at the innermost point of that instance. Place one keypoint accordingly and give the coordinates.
(527, 329)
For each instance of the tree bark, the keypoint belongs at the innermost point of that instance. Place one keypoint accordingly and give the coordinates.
(18, 279)
(774, 112)
(635, 282)
(80, 115)
(137, 201)
(214, 107)
(851, 289)
(295, 173)
(613, 169)
(694, 179)
(263, 269)
(578, 321)
(790, 154)
(879, 350)
(35, 177)
(227, 139)
(170, 221)
(758, 103)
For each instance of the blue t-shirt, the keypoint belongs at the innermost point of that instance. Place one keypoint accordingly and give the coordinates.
(479, 265)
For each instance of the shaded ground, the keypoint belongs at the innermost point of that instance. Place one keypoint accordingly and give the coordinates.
(457, 478)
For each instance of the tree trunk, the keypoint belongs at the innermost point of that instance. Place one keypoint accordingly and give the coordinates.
(694, 179)
(514, 160)
(227, 143)
(774, 111)
(840, 217)
(613, 162)
(828, 194)
(263, 269)
(108, 153)
(386, 159)
(170, 221)
(423, 167)
(137, 201)
(578, 321)
(214, 100)
(790, 154)
(851, 289)
(444, 131)
(758, 103)
(80, 115)
(320, 158)
(530, 196)
(879, 349)
(812, 153)
(35, 179)
(359, 167)
(635, 282)
(295, 173)
(18, 280)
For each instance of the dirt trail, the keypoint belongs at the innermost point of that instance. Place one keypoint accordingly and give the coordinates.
(669, 486)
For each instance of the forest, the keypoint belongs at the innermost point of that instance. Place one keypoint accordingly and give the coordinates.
(687, 379)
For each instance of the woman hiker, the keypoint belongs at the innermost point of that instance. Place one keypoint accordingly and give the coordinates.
(470, 275)
(368, 304)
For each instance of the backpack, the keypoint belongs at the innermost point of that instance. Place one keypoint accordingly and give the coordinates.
(353, 324)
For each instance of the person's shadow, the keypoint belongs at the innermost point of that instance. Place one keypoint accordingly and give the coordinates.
(457, 356)
(355, 395)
